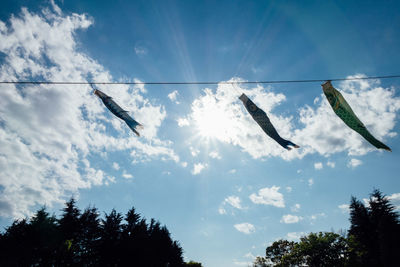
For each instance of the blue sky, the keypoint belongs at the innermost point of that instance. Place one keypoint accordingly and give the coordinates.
(202, 166)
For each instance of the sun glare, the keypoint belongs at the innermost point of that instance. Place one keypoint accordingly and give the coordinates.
(213, 122)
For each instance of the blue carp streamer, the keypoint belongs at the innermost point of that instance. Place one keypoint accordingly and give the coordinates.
(262, 119)
(118, 111)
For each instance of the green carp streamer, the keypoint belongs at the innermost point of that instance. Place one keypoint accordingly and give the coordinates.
(344, 111)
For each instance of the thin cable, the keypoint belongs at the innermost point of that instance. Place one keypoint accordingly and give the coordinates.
(203, 83)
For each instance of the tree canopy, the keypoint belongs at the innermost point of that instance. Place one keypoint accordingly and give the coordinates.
(372, 240)
(84, 239)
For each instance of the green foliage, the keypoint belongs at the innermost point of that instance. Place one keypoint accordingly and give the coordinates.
(83, 239)
(261, 262)
(373, 240)
(318, 249)
(277, 250)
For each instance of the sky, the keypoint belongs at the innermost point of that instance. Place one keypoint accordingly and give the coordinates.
(201, 166)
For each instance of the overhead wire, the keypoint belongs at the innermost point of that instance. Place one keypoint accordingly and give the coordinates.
(200, 82)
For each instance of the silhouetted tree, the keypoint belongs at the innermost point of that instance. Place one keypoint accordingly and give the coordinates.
(77, 239)
(261, 262)
(43, 237)
(110, 242)
(133, 237)
(89, 237)
(277, 250)
(316, 249)
(193, 264)
(374, 233)
(16, 244)
(70, 230)
(373, 240)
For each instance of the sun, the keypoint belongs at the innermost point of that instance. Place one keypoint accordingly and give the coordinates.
(213, 122)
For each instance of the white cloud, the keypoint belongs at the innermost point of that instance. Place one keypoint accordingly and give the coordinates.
(268, 196)
(221, 211)
(242, 263)
(249, 255)
(318, 165)
(395, 200)
(183, 122)
(331, 164)
(49, 132)
(316, 216)
(115, 166)
(234, 201)
(246, 228)
(288, 218)
(110, 179)
(345, 208)
(184, 164)
(194, 151)
(295, 208)
(353, 163)
(310, 182)
(289, 189)
(140, 49)
(215, 155)
(321, 130)
(127, 175)
(198, 167)
(173, 95)
(295, 236)
(232, 171)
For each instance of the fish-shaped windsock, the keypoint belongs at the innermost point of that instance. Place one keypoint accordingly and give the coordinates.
(344, 111)
(118, 111)
(262, 119)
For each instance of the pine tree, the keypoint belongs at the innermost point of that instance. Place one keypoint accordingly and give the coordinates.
(110, 244)
(374, 232)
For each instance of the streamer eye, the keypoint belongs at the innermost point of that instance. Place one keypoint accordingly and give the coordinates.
(253, 107)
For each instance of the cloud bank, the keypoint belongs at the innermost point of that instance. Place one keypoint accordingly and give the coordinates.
(48, 133)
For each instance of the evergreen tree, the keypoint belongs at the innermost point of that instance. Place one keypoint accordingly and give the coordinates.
(110, 242)
(43, 238)
(89, 237)
(16, 244)
(132, 238)
(374, 232)
(77, 239)
(69, 228)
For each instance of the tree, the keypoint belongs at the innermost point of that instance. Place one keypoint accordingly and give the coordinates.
(109, 247)
(318, 249)
(69, 226)
(89, 237)
(374, 232)
(43, 238)
(277, 250)
(16, 244)
(372, 240)
(77, 239)
(261, 262)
